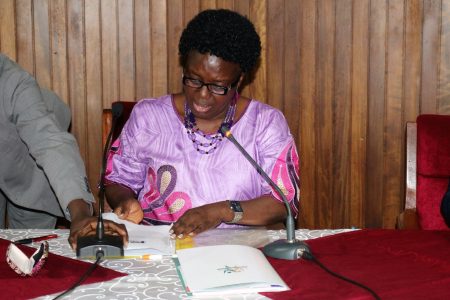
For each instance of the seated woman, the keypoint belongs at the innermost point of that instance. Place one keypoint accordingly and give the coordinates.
(171, 164)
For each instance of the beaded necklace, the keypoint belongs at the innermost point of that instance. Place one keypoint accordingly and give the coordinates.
(202, 142)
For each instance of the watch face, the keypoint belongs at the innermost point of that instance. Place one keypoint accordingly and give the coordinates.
(236, 206)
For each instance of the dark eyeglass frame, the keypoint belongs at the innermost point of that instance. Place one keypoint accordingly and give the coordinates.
(222, 90)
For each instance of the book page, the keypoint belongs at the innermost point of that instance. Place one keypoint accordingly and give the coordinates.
(227, 269)
(255, 237)
(145, 239)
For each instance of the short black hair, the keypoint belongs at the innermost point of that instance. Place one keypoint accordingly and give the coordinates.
(223, 33)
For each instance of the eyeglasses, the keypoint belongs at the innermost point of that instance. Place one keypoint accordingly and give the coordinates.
(213, 88)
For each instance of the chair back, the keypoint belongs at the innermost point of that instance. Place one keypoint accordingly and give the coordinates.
(408, 218)
(107, 120)
(433, 168)
(411, 165)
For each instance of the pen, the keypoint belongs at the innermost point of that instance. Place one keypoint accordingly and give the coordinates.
(143, 257)
(36, 239)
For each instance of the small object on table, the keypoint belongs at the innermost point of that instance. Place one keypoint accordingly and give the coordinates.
(23, 265)
(36, 239)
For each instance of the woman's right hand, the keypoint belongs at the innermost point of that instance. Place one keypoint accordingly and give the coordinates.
(130, 210)
(124, 203)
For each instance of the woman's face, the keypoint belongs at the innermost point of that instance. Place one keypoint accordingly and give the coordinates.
(210, 69)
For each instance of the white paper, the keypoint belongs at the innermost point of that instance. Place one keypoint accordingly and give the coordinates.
(20, 260)
(226, 269)
(255, 237)
(145, 239)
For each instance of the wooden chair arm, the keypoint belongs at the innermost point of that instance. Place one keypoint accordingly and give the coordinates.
(408, 219)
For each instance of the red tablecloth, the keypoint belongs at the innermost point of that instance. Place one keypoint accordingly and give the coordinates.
(58, 274)
(396, 264)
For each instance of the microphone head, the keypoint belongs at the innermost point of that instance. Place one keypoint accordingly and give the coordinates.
(225, 130)
(117, 109)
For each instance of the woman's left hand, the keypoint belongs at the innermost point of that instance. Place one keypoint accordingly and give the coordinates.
(199, 219)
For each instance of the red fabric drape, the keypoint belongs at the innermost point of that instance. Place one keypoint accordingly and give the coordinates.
(58, 274)
(396, 264)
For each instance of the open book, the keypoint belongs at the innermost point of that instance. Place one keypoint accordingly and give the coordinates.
(226, 269)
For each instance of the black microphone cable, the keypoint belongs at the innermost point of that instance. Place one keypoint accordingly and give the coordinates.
(309, 256)
(83, 277)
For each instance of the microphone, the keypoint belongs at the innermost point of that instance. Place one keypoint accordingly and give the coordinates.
(101, 245)
(289, 248)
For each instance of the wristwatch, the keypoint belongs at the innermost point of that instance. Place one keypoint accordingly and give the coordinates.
(235, 206)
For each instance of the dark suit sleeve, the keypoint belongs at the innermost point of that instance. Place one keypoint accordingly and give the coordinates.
(53, 149)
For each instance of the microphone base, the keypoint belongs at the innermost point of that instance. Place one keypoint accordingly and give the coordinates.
(284, 249)
(109, 246)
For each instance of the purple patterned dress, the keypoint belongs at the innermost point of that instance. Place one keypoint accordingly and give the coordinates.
(155, 158)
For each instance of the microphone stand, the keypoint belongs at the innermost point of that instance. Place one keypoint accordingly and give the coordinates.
(101, 245)
(289, 248)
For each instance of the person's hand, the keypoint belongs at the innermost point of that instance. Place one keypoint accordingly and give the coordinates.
(130, 210)
(199, 219)
(87, 226)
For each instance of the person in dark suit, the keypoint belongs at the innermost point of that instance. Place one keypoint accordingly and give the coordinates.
(42, 175)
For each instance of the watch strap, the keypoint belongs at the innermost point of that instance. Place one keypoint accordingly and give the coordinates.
(235, 206)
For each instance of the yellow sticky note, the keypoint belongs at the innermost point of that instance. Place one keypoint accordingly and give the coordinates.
(185, 243)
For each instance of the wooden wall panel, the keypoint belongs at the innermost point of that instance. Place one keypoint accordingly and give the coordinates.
(258, 13)
(443, 96)
(347, 74)
(412, 59)
(376, 119)
(159, 47)
(58, 22)
(110, 51)
(275, 18)
(325, 98)
(143, 49)
(174, 29)
(126, 50)
(310, 210)
(94, 92)
(393, 145)
(42, 43)
(24, 35)
(341, 114)
(7, 28)
(77, 73)
(190, 9)
(291, 60)
(360, 68)
(430, 55)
